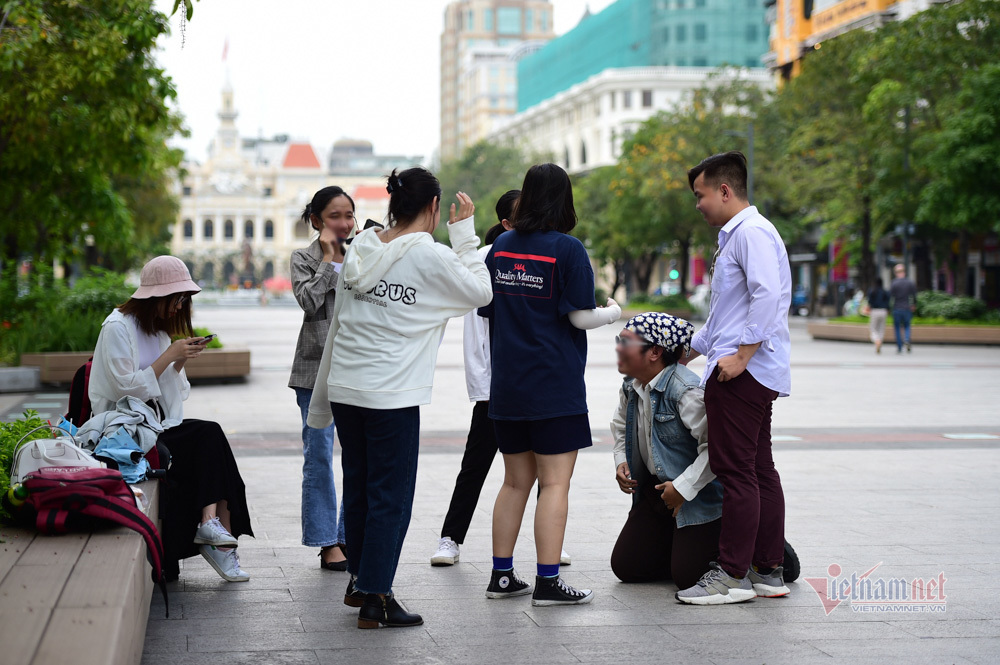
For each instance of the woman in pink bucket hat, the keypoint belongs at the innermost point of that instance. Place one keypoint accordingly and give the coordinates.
(203, 502)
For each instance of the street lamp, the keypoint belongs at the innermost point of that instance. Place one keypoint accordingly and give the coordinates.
(748, 135)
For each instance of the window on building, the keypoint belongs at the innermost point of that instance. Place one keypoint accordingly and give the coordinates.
(682, 62)
(186, 190)
(665, 35)
(647, 99)
(699, 3)
(488, 25)
(544, 27)
(208, 229)
(627, 99)
(751, 32)
(470, 21)
(302, 230)
(700, 62)
(529, 20)
(566, 159)
(681, 4)
(583, 153)
(681, 31)
(612, 100)
(700, 32)
(509, 20)
(268, 192)
(614, 142)
(227, 229)
(188, 229)
(268, 230)
(248, 229)
(753, 62)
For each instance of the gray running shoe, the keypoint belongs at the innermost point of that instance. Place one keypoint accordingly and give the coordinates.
(770, 585)
(717, 587)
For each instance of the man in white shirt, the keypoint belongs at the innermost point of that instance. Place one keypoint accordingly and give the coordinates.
(747, 347)
(661, 454)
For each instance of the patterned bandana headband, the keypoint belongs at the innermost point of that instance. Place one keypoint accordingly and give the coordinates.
(663, 330)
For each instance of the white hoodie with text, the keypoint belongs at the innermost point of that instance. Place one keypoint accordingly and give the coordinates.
(392, 304)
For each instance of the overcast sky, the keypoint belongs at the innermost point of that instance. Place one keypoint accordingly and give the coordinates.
(319, 70)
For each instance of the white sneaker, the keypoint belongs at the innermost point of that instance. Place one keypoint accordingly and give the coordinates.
(565, 559)
(447, 553)
(225, 562)
(213, 533)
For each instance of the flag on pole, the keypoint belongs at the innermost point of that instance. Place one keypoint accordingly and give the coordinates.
(225, 49)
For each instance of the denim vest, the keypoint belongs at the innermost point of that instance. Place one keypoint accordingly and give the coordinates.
(673, 447)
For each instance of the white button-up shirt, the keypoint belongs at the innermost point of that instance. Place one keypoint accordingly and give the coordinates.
(751, 296)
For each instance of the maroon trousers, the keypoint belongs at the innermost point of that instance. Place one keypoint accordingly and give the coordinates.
(739, 453)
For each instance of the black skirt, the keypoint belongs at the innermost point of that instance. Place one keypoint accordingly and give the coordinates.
(203, 471)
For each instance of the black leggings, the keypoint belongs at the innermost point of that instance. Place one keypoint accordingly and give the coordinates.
(651, 547)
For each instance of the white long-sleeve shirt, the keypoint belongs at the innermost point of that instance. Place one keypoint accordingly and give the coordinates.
(691, 410)
(393, 302)
(117, 371)
(476, 350)
(751, 295)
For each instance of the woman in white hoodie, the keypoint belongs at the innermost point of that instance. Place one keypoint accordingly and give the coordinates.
(397, 290)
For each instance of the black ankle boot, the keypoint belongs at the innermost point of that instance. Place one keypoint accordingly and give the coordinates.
(378, 611)
(353, 597)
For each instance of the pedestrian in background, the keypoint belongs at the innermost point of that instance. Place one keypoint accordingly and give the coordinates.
(878, 313)
(904, 304)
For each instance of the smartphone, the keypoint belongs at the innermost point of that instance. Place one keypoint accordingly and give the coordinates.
(207, 338)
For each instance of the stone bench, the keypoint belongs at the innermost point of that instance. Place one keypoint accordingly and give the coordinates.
(75, 598)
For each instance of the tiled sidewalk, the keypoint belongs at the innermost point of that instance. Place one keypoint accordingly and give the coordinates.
(919, 512)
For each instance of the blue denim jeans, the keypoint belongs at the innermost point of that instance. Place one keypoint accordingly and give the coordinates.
(321, 527)
(380, 475)
(901, 319)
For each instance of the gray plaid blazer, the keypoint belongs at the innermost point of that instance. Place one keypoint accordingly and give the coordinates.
(314, 284)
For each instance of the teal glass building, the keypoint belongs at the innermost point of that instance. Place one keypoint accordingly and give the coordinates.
(644, 33)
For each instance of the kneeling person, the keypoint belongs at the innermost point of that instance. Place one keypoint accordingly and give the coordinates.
(661, 454)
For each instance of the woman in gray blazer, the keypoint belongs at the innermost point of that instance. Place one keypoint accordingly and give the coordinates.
(315, 270)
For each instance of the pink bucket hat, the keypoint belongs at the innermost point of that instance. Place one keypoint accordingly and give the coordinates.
(164, 276)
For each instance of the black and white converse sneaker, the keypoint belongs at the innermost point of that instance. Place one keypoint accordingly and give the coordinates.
(506, 584)
(553, 591)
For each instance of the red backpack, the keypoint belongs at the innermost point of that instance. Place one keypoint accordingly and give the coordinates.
(76, 498)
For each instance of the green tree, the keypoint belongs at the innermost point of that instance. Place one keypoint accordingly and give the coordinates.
(963, 191)
(598, 226)
(83, 119)
(830, 152)
(654, 204)
(485, 171)
(923, 76)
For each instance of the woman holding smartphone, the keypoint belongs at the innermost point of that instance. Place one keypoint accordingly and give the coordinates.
(203, 504)
(398, 288)
(315, 272)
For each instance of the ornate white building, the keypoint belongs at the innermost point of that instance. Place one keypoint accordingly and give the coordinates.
(239, 219)
(585, 126)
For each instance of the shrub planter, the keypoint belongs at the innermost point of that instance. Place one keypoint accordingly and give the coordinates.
(858, 332)
(211, 364)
